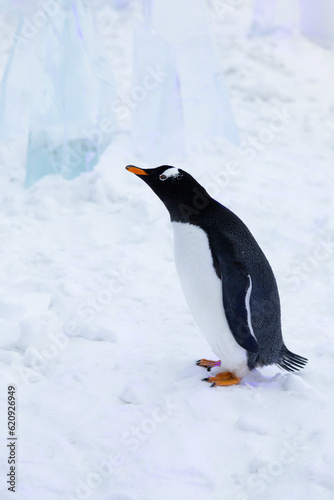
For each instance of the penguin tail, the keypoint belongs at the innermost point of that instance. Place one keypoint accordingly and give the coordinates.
(290, 361)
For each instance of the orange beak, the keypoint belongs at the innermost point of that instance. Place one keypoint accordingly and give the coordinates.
(136, 170)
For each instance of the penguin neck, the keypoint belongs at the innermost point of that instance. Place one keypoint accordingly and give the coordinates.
(193, 209)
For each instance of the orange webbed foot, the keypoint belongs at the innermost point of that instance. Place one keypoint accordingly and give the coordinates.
(206, 363)
(223, 379)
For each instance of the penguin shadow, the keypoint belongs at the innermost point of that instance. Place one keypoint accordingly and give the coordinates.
(294, 383)
(264, 377)
(257, 378)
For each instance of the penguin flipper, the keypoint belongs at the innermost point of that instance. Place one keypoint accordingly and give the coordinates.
(237, 288)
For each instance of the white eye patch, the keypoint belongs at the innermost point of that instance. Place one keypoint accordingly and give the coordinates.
(170, 172)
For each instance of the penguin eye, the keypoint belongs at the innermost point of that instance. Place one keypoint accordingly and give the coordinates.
(162, 177)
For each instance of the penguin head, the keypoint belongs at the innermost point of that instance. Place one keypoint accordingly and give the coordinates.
(182, 195)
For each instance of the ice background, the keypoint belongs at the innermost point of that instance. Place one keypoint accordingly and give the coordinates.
(95, 332)
(67, 107)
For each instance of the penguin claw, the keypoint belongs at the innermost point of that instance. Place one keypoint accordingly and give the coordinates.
(223, 379)
(206, 363)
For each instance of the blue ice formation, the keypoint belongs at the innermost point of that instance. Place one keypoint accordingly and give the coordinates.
(313, 18)
(317, 21)
(271, 16)
(58, 80)
(197, 108)
(157, 128)
(206, 104)
(264, 17)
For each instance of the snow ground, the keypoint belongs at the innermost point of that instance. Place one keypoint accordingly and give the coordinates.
(95, 332)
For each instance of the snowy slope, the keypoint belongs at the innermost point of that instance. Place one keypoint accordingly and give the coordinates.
(95, 332)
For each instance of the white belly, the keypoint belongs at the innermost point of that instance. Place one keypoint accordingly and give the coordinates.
(204, 294)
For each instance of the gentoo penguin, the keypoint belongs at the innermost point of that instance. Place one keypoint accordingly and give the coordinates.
(227, 281)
